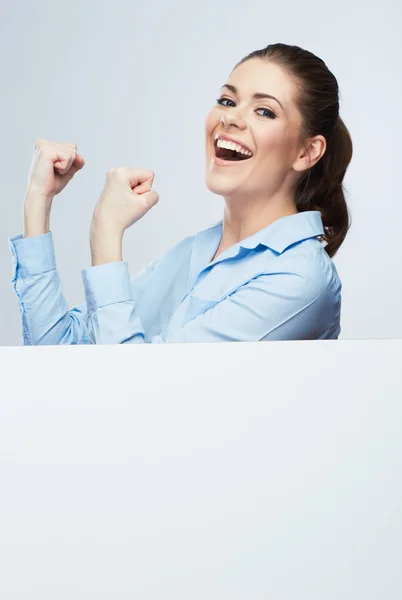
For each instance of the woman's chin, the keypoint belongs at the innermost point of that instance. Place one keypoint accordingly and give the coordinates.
(223, 184)
(217, 185)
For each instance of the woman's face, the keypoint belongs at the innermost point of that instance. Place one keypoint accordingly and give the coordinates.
(268, 127)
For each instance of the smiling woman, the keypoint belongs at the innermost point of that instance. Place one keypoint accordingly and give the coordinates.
(276, 152)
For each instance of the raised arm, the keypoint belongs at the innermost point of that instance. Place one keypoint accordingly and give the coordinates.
(46, 318)
(44, 313)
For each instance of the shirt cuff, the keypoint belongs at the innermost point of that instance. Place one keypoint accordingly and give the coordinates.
(33, 255)
(107, 284)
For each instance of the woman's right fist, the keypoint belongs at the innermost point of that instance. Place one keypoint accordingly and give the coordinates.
(54, 164)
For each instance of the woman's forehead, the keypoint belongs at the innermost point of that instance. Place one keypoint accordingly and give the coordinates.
(262, 77)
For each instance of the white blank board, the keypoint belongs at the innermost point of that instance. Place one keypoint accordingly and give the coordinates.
(202, 471)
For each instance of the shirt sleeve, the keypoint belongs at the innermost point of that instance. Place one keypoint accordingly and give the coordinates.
(274, 306)
(45, 315)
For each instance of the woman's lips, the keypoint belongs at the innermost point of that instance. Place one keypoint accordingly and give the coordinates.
(221, 136)
(220, 162)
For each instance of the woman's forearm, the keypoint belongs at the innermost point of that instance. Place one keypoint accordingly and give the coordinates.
(36, 213)
(106, 246)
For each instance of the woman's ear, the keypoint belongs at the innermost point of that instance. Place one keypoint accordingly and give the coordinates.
(311, 153)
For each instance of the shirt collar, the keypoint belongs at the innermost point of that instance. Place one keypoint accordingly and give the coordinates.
(283, 232)
(278, 236)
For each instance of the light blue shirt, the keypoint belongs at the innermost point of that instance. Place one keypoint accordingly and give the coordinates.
(278, 284)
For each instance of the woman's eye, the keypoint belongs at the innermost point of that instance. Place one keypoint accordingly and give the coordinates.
(268, 113)
(222, 100)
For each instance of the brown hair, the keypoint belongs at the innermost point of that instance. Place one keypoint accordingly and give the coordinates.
(320, 188)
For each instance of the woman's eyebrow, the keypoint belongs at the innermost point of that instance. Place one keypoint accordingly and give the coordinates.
(257, 95)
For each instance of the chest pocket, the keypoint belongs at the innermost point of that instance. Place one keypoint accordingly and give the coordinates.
(197, 306)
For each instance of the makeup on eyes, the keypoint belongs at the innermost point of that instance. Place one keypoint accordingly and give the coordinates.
(272, 114)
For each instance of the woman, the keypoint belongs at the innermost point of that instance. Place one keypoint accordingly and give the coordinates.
(277, 152)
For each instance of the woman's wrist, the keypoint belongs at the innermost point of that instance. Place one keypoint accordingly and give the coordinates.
(36, 213)
(106, 244)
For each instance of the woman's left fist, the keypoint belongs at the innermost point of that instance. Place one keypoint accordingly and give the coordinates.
(125, 199)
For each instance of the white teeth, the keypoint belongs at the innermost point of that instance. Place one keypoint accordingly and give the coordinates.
(232, 146)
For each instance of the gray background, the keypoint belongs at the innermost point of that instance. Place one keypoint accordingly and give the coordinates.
(131, 83)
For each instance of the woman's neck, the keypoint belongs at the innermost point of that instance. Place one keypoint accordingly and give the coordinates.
(242, 220)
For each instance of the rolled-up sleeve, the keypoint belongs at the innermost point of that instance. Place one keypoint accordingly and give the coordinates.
(109, 298)
(46, 319)
(32, 256)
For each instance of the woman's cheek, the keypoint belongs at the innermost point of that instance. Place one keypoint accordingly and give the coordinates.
(212, 120)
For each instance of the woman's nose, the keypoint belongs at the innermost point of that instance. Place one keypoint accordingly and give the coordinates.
(233, 118)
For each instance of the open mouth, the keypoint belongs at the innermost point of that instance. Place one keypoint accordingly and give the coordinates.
(230, 151)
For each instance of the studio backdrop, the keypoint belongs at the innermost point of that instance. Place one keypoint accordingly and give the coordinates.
(131, 82)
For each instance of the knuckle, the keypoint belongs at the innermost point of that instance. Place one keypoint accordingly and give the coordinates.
(72, 148)
(67, 149)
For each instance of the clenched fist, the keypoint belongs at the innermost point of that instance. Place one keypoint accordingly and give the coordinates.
(125, 199)
(53, 165)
